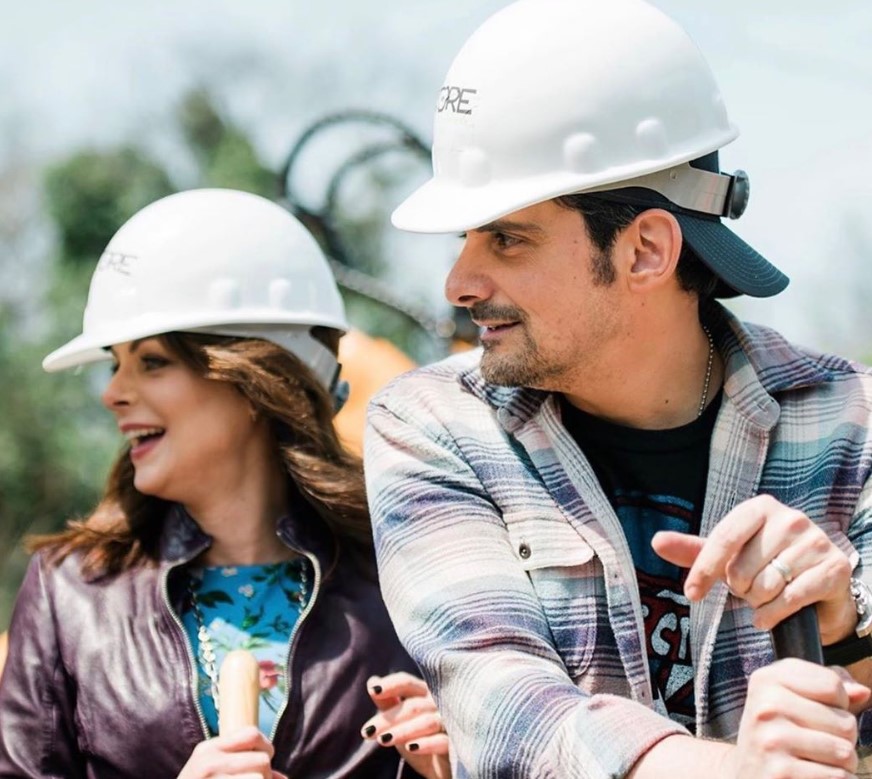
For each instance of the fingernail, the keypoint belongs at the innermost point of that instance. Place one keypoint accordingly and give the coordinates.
(369, 730)
(413, 747)
(377, 688)
(385, 738)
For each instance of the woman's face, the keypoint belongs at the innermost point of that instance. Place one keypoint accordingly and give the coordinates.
(191, 438)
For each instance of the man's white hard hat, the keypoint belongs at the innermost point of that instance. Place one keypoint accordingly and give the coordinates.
(554, 97)
(215, 261)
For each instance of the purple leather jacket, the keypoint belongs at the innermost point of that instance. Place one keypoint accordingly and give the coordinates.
(99, 681)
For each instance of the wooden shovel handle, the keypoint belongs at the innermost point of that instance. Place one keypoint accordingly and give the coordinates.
(238, 691)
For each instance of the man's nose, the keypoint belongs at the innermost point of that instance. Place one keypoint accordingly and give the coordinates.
(467, 282)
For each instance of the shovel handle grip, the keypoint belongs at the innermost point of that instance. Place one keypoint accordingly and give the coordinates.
(798, 636)
(238, 690)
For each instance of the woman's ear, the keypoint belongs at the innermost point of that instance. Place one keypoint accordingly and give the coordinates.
(654, 245)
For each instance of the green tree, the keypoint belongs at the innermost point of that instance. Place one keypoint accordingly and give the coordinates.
(90, 194)
(225, 155)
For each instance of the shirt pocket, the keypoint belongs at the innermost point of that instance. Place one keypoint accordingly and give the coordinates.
(567, 578)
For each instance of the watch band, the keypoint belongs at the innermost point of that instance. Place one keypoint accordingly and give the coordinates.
(849, 650)
(857, 646)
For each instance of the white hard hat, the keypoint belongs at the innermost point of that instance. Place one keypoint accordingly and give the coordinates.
(553, 97)
(212, 261)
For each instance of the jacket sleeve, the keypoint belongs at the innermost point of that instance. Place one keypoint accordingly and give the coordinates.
(37, 699)
(469, 617)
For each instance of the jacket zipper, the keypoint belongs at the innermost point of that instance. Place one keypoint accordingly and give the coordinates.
(292, 641)
(195, 673)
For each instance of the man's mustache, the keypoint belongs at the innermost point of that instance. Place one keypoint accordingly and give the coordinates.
(484, 311)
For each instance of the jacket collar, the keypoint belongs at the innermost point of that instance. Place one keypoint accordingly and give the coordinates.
(305, 532)
(759, 363)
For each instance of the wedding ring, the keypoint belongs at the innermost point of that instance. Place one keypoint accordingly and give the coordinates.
(782, 568)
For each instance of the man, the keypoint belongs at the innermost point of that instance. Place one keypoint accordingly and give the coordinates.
(586, 530)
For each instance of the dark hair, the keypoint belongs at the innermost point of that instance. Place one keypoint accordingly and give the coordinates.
(604, 219)
(124, 530)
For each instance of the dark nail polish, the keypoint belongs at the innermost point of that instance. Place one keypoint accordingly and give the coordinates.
(413, 747)
(370, 729)
(377, 688)
(385, 738)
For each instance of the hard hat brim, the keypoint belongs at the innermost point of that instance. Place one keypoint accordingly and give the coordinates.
(94, 346)
(445, 205)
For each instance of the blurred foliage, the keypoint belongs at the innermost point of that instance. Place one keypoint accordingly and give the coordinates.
(92, 193)
(225, 154)
(56, 443)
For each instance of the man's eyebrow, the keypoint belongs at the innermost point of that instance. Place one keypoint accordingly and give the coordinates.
(508, 225)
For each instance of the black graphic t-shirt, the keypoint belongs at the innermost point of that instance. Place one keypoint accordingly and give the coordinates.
(655, 480)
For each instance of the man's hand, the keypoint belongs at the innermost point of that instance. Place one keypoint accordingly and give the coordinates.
(408, 720)
(808, 567)
(797, 723)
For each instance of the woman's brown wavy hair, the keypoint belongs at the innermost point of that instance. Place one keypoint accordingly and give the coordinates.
(124, 530)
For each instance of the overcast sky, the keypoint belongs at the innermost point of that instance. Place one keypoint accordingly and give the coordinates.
(796, 78)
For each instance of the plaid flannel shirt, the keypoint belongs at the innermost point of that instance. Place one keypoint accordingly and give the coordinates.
(509, 580)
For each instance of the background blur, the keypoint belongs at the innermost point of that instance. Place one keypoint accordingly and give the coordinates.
(105, 106)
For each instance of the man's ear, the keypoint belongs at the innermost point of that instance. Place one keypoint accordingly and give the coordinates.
(652, 245)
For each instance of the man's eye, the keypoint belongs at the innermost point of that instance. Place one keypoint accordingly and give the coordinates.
(504, 241)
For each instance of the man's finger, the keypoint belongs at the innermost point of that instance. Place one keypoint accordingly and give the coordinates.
(677, 548)
(727, 539)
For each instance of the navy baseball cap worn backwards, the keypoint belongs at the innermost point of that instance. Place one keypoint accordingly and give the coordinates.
(740, 268)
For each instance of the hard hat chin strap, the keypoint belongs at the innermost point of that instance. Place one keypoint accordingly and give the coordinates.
(692, 189)
(295, 339)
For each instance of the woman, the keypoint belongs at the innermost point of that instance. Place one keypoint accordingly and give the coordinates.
(233, 519)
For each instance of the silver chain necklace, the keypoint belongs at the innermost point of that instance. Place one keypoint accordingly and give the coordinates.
(708, 372)
(206, 654)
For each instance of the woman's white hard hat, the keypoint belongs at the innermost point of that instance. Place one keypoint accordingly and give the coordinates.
(215, 261)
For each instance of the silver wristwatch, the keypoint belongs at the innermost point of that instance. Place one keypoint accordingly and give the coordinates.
(862, 596)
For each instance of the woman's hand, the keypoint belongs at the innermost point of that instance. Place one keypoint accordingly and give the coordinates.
(247, 752)
(408, 720)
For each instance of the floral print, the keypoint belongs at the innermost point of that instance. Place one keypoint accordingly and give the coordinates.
(253, 607)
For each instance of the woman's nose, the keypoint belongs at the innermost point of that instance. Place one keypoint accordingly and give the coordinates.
(119, 391)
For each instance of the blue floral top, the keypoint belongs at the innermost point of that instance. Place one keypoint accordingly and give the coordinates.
(253, 607)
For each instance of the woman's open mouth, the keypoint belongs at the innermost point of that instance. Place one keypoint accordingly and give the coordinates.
(142, 440)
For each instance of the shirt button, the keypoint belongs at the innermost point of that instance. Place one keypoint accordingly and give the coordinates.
(524, 551)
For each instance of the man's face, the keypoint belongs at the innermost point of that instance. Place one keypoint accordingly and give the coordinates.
(529, 281)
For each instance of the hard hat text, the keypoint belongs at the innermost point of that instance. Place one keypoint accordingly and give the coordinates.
(120, 263)
(455, 99)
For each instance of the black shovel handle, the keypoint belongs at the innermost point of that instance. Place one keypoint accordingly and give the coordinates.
(798, 636)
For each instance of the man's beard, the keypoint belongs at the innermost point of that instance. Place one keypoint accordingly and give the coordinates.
(523, 367)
